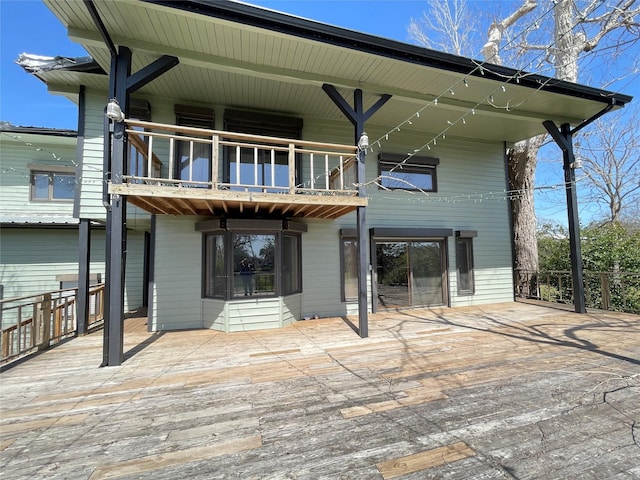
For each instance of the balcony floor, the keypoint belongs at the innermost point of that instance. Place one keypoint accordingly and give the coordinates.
(502, 391)
(167, 200)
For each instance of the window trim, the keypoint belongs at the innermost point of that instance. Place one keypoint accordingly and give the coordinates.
(227, 228)
(465, 237)
(51, 171)
(411, 164)
(346, 235)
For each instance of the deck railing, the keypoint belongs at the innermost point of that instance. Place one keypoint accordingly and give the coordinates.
(35, 322)
(197, 157)
(618, 291)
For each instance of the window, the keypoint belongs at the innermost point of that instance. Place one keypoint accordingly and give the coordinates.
(256, 258)
(138, 165)
(349, 263)
(193, 159)
(256, 169)
(399, 172)
(291, 274)
(464, 262)
(58, 186)
(215, 282)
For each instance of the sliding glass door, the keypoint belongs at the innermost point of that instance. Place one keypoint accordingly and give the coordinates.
(410, 273)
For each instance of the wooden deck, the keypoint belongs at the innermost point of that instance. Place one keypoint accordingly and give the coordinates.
(502, 391)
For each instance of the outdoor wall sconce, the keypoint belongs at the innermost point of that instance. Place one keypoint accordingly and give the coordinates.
(114, 112)
(363, 143)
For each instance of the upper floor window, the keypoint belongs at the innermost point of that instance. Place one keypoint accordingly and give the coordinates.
(398, 172)
(138, 164)
(53, 186)
(253, 168)
(193, 158)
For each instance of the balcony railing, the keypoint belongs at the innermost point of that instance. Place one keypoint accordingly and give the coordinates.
(196, 171)
(618, 291)
(36, 322)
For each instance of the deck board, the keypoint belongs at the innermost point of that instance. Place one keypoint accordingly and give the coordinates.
(512, 390)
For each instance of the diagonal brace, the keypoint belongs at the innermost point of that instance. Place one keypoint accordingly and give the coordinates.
(151, 72)
(356, 115)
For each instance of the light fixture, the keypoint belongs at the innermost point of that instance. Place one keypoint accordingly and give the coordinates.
(363, 143)
(114, 112)
(577, 163)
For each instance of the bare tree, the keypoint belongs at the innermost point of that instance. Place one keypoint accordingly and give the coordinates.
(610, 156)
(448, 26)
(574, 28)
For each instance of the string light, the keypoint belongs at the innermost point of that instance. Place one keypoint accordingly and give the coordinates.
(481, 67)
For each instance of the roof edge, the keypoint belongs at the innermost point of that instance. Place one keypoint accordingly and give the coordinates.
(57, 132)
(321, 32)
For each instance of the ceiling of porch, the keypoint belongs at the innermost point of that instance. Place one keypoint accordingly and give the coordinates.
(241, 66)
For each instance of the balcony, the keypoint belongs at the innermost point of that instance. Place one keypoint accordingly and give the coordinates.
(170, 173)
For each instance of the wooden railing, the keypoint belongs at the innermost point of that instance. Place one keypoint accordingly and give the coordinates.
(36, 322)
(618, 291)
(197, 157)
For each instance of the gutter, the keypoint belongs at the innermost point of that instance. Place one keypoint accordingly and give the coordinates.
(320, 32)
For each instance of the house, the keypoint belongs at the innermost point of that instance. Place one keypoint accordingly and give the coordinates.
(235, 136)
(39, 233)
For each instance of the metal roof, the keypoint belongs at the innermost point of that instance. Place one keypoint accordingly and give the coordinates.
(33, 220)
(58, 132)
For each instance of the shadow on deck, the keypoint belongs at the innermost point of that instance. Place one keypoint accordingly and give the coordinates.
(511, 390)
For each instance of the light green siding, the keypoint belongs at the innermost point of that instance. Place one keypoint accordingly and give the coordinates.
(177, 301)
(92, 180)
(17, 152)
(34, 260)
(177, 275)
(134, 270)
(251, 314)
(254, 314)
(471, 196)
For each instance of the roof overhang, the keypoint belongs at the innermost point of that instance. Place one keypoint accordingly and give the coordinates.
(243, 56)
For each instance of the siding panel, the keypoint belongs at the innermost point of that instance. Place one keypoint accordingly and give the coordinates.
(178, 273)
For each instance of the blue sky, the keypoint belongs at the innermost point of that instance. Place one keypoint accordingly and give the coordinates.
(29, 26)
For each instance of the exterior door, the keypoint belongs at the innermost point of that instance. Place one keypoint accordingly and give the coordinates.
(410, 273)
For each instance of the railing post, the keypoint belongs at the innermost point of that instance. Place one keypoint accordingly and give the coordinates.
(292, 168)
(560, 286)
(606, 294)
(45, 308)
(215, 145)
(171, 157)
(19, 328)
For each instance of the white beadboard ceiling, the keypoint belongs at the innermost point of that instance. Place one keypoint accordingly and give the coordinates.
(227, 63)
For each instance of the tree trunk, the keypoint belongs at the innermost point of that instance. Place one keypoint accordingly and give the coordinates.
(522, 165)
(523, 158)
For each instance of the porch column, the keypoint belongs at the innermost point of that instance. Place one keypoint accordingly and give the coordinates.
(358, 116)
(563, 137)
(116, 230)
(363, 241)
(84, 259)
(122, 84)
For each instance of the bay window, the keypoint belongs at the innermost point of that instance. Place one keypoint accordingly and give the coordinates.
(251, 258)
